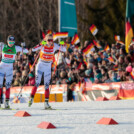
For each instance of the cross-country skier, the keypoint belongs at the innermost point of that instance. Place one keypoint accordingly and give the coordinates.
(9, 51)
(44, 66)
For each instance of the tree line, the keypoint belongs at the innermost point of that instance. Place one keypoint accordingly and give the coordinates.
(25, 19)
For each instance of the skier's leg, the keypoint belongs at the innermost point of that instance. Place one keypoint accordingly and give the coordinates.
(47, 78)
(9, 78)
(1, 86)
(38, 76)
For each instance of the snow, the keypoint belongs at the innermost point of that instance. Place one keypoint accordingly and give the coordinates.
(71, 118)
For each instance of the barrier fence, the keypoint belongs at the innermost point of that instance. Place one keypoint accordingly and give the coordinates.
(83, 92)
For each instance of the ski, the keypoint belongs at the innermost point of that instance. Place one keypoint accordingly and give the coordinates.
(49, 109)
(53, 109)
(9, 109)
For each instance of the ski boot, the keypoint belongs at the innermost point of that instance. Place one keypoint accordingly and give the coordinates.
(47, 106)
(7, 104)
(30, 102)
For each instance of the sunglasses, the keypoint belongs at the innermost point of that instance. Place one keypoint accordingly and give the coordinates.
(50, 40)
(11, 42)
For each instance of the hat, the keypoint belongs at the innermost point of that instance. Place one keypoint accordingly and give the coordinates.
(129, 69)
(88, 72)
(98, 71)
(11, 38)
(91, 60)
(99, 76)
(31, 75)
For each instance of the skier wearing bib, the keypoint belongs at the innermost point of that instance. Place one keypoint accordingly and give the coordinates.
(9, 52)
(44, 66)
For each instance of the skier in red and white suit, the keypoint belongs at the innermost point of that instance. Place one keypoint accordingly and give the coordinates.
(44, 66)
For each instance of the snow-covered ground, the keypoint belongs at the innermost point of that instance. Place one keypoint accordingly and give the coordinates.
(72, 118)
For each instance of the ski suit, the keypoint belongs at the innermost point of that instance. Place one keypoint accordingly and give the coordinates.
(44, 66)
(6, 66)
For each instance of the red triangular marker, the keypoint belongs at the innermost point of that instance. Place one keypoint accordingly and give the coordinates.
(46, 125)
(22, 114)
(107, 121)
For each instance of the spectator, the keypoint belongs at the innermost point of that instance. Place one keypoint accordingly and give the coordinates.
(70, 92)
(31, 81)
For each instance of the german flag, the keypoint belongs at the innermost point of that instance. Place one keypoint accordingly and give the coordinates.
(132, 75)
(85, 62)
(128, 28)
(49, 31)
(88, 49)
(93, 29)
(97, 44)
(121, 42)
(80, 85)
(115, 68)
(60, 35)
(107, 47)
(111, 59)
(128, 35)
(30, 65)
(79, 66)
(75, 40)
(42, 35)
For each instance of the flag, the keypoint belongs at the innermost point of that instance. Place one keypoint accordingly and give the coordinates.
(93, 29)
(107, 47)
(111, 59)
(85, 62)
(88, 49)
(79, 66)
(117, 37)
(80, 85)
(30, 66)
(128, 28)
(115, 68)
(75, 40)
(121, 42)
(49, 31)
(128, 35)
(42, 35)
(60, 35)
(132, 75)
(96, 44)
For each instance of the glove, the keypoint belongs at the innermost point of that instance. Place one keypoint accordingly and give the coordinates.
(43, 42)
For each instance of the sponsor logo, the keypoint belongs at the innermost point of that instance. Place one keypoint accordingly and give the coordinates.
(8, 56)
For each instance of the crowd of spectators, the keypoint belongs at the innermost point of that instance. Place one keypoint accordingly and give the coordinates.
(97, 66)
(74, 66)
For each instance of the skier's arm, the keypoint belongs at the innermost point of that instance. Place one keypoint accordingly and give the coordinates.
(61, 48)
(36, 48)
(1, 46)
(19, 49)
